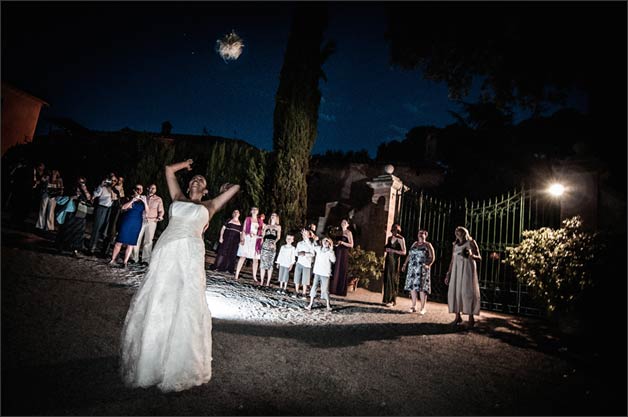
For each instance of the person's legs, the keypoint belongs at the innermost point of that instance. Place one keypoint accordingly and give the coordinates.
(41, 219)
(239, 267)
(414, 297)
(325, 291)
(423, 301)
(127, 255)
(458, 319)
(471, 320)
(149, 236)
(136, 248)
(99, 220)
(116, 251)
(52, 203)
(305, 280)
(313, 291)
(262, 272)
(296, 277)
(254, 268)
(270, 274)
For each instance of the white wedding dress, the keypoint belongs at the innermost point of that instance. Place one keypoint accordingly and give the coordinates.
(166, 339)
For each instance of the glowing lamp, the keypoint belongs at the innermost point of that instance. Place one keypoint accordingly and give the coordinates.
(556, 189)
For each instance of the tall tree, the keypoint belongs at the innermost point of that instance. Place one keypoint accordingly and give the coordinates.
(296, 113)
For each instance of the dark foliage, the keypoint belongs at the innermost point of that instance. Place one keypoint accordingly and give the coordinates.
(296, 113)
(140, 157)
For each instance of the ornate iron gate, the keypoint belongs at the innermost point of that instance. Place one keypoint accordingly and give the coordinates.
(495, 224)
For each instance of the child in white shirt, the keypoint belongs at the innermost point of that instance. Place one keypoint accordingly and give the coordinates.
(322, 271)
(285, 259)
(303, 268)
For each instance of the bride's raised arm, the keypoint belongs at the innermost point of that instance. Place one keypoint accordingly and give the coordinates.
(171, 178)
(227, 191)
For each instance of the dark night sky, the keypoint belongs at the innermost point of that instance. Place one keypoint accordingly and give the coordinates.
(114, 65)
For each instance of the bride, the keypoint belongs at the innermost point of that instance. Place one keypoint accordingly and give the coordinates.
(166, 338)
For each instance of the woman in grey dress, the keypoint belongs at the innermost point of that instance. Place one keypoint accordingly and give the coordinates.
(420, 259)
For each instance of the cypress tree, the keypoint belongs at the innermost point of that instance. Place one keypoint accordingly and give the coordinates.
(296, 114)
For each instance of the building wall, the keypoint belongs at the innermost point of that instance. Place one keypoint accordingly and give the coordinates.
(20, 113)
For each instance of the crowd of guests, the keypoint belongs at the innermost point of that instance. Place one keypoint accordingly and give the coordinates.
(315, 261)
(122, 219)
(119, 218)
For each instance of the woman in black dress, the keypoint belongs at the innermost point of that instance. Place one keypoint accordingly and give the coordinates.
(395, 249)
(70, 236)
(338, 285)
(227, 253)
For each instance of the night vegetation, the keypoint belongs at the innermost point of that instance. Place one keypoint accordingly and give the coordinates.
(296, 114)
(556, 264)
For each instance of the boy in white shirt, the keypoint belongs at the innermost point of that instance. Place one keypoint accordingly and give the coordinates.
(322, 271)
(285, 259)
(303, 268)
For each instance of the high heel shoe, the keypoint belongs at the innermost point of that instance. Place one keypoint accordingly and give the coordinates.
(412, 310)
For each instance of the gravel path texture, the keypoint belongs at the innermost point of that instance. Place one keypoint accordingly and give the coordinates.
(62, 317)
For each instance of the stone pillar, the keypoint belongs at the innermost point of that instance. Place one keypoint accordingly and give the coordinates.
(386, 191)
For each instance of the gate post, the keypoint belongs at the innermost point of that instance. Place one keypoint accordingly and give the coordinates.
(387, 197)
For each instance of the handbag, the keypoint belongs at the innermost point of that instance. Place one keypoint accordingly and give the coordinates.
(83, 209)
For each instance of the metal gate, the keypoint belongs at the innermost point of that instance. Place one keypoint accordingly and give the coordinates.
(495, 224)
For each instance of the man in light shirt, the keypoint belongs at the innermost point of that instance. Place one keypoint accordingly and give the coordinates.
(103, 199)
(154, 214)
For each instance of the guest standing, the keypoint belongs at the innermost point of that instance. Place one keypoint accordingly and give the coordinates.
(285, 260)
(325, 257)
(418, 263)
(250, 242)
(339, 282)
(153, 214)
(103, 200)
(51, 187)
(272, 234)
(72, 231)
(130, 224)
(229, 240)
(463, 295)
(395, 248)
(118, 198)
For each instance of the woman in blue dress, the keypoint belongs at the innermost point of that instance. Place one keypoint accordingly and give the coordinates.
(130, 224)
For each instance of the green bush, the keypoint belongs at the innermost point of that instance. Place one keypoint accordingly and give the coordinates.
(365, 266)
(556, 264)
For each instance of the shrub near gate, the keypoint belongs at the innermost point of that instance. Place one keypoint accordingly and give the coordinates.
(556, 264)
(364, 266)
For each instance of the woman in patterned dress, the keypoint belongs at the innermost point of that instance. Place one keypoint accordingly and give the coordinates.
(272, 234)
(420, 259)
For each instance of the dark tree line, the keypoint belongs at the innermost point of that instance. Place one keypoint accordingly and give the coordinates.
(140, 157)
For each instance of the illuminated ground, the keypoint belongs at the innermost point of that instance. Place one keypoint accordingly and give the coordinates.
(62, 317)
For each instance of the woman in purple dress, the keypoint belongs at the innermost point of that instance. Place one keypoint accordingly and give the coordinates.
(229, 240)
(338, 285)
